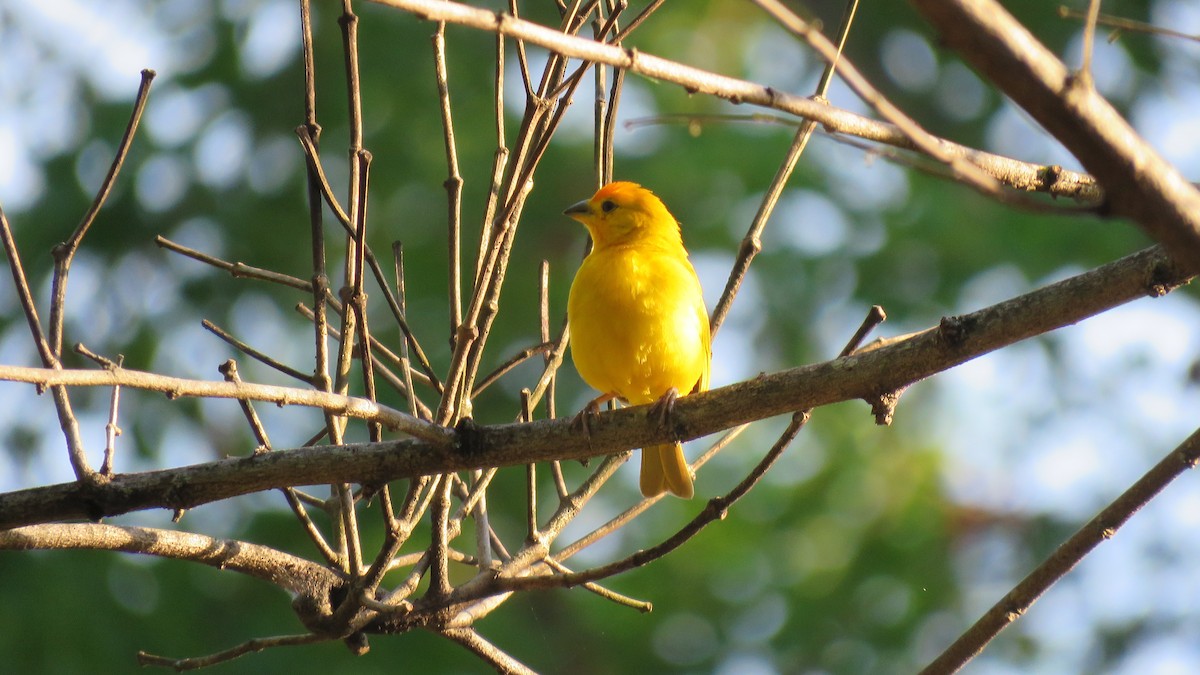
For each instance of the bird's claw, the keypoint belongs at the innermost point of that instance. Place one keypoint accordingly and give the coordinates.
(583, 420)
(664, 407)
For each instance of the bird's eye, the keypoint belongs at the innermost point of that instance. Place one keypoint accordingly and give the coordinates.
(607, 205)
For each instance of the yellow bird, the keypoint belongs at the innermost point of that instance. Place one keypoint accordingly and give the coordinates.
(639, 329)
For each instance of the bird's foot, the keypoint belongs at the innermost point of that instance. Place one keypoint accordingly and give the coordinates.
(583, 420)
(664, 408)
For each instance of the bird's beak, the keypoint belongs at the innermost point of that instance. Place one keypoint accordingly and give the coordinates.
(582, 208)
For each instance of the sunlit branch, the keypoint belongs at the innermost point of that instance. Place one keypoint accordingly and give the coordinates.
(1014, 173)
(175, 387)
(1139, 183)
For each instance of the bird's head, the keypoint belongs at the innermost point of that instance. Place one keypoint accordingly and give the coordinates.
(622, 212)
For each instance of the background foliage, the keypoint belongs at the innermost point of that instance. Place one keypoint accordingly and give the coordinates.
(866, 550)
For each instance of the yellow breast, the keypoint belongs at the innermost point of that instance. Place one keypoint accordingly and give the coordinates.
(638, 322)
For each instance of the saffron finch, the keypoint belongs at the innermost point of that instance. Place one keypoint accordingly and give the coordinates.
(639, 329)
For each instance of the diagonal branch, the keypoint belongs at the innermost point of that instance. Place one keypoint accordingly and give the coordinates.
(1138, 183)
(502, 662)
(1014, 173)
(876, 373)
(1095, 532)
(716, 509)
(76, 452)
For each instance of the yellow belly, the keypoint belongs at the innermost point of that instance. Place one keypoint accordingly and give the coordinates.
(638, 323)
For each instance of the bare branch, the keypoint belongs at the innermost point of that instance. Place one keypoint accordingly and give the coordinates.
(752, 242)
(1089, 39)
(1122, 24)
(1014, 173)
(64, 253)
(1098, 530)
(247, 647)
(235, 269)
(76, 453)
(255, 354)
(1139, 184)
(879, 369)
(716, 509)
(502, 662)
(287, 571)
(454, 181)
(175, 387)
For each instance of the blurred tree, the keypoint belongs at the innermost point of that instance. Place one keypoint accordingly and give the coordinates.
(864, 550)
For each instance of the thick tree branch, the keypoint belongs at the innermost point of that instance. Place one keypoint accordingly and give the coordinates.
(1138, 183)
(875, 373)
(1017, 174)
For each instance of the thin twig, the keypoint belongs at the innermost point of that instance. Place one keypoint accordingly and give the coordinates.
(21, 282)
(608, 594)
(608, 145)
(499, 161)
(312, 157)
(752, 241)
(236, 269)
(396, 533)
(716, 509)
(453, 183)
(230, 372)
(637, 20)
(875, 316)
(513, 361)
(175, 387)
(256, 354)
(111, 430)
(531, 520)
(247, 647)
(64, 253)
(401, 295)
(439, 575)
(62, 401)
(359, 304)
(522, 60)
(1123, 24)
(551, 371)
(398, 313)
(1089, 39)
(610, 22)
(498, 659)
(484, 533)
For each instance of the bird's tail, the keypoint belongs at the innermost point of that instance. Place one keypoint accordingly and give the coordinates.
(664, 469)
